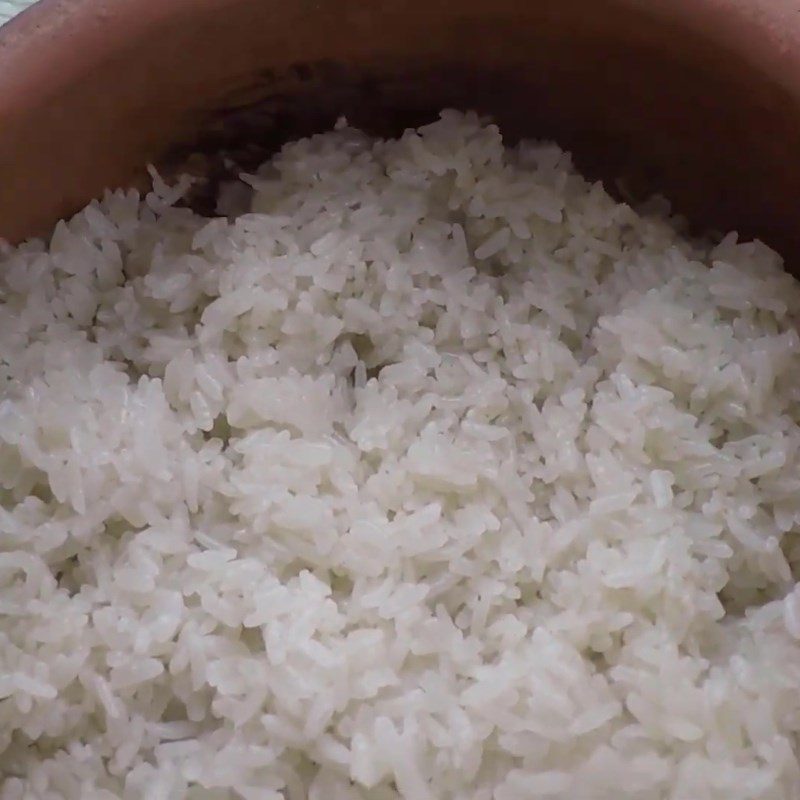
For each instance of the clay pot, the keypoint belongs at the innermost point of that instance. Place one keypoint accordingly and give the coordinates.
(698, 99)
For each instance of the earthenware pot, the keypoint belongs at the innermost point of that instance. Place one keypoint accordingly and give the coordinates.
(697, 99)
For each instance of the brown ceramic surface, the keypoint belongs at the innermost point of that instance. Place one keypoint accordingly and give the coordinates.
(697, 98)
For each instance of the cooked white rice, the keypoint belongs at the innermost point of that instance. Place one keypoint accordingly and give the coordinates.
(439, 475)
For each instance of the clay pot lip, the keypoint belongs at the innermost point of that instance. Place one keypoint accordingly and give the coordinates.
(53, 40)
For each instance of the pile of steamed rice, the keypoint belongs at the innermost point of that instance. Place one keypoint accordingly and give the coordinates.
(441, 474)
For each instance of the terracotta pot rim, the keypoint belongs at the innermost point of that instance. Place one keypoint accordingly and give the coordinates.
(53, 41)
(73, 33)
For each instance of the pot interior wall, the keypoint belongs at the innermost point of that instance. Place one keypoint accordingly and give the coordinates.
(646, 97)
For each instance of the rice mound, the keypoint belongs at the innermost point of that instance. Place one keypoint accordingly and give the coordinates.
(438, 474)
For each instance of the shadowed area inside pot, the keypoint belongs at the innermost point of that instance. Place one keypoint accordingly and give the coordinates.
(635, 149)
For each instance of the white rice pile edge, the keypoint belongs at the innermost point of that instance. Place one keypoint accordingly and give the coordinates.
(437, 474)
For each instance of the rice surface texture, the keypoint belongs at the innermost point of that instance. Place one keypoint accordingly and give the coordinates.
(438, 474)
